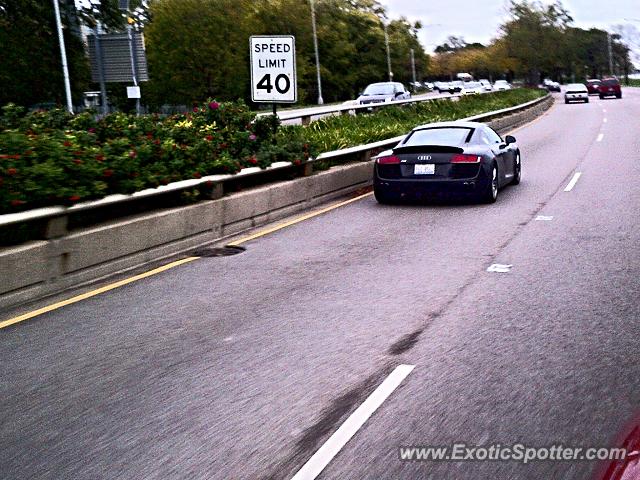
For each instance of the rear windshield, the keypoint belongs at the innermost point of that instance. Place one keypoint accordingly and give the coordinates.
(438, 136)
(379, 89)
(610, 82)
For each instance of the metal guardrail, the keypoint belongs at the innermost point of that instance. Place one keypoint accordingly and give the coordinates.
(306, 116)
(216, 182)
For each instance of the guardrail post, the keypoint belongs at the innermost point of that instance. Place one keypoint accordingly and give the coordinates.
(56, 227)
(306, 120)
(213, 191)
(307, 169)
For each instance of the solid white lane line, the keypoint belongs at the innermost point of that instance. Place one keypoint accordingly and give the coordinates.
(348, 429)
(573, 182)
(600, 137)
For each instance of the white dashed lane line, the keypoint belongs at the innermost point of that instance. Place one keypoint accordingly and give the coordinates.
(600, 137)
(573, 182)
(356, 420)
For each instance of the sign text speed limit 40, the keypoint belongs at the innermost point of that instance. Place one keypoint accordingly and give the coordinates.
(273, 69)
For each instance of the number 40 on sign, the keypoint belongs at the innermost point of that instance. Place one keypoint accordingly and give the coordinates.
(273, 69)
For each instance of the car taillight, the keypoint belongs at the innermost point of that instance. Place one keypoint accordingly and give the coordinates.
(387, 160)
(460, 158)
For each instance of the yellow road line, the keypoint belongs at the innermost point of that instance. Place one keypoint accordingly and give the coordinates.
(93, 293)
(280, 226)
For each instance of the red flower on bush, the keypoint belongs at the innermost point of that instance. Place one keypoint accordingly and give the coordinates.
(252, 137)
(74, 198)
(209, 137)
(100, 158)
(297, 161)
(107, 173)
(253, 161)
(77, 161)
(11, 171)
(197, 175)
(133, 154)
(67, 143)
(156, 141)
(91, 130)
(16, 203)
(214, 105)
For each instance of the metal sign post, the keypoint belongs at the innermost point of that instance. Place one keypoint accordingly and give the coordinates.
(273, 71)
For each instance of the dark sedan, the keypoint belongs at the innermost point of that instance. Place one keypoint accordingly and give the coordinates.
(447, 158)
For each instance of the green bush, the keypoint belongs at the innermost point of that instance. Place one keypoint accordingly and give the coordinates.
(53, 158)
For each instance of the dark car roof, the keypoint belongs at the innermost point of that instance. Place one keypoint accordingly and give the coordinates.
(454, 124)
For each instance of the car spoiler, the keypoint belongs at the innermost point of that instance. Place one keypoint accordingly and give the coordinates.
(428, 148)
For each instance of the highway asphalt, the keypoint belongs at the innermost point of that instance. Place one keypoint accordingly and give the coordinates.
(242, 367)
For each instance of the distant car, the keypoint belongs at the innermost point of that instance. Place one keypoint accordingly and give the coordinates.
(576, 92)
(554, 87)
(472, 88)
(593, 86)
(456, 86)
(486, 84)
(501, 85)
(610, 87)
(442, 87)
(459, 158)
(428, 85)
(383, 92)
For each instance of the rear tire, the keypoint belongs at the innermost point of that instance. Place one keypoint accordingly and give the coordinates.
(619, 95)
(490, 191)
(382, 197)
(586, 100)
(566, 101)
(517, 170)
(601, 97)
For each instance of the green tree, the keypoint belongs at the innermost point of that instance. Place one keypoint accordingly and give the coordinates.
(30, 64)
(199, 48)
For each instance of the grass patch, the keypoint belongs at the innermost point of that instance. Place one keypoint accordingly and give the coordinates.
(338, 132)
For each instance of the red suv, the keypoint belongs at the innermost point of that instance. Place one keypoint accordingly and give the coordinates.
(593, 85)
(610, 87)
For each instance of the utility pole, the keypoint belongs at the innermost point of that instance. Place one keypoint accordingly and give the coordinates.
(315, 46)
(610, 55)
(63, 56)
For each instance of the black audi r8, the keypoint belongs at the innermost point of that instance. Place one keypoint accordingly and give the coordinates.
(447, 158)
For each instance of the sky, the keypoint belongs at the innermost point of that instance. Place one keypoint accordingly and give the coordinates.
(479, 20)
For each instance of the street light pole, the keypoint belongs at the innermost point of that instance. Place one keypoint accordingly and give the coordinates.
(63, 56)
(315, 46)
(386, 42)
(610, 56)
(413, 66)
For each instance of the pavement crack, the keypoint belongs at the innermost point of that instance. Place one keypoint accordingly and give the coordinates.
(407, 342)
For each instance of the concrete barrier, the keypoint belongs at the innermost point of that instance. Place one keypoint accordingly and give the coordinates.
(69, 259)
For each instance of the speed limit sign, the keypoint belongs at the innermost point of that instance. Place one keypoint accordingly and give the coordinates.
(273, 69)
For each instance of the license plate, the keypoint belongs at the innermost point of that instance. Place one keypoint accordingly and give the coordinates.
(424, 169)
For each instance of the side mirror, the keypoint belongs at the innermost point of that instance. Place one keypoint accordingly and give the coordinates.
(510, 139)
(360, 94)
